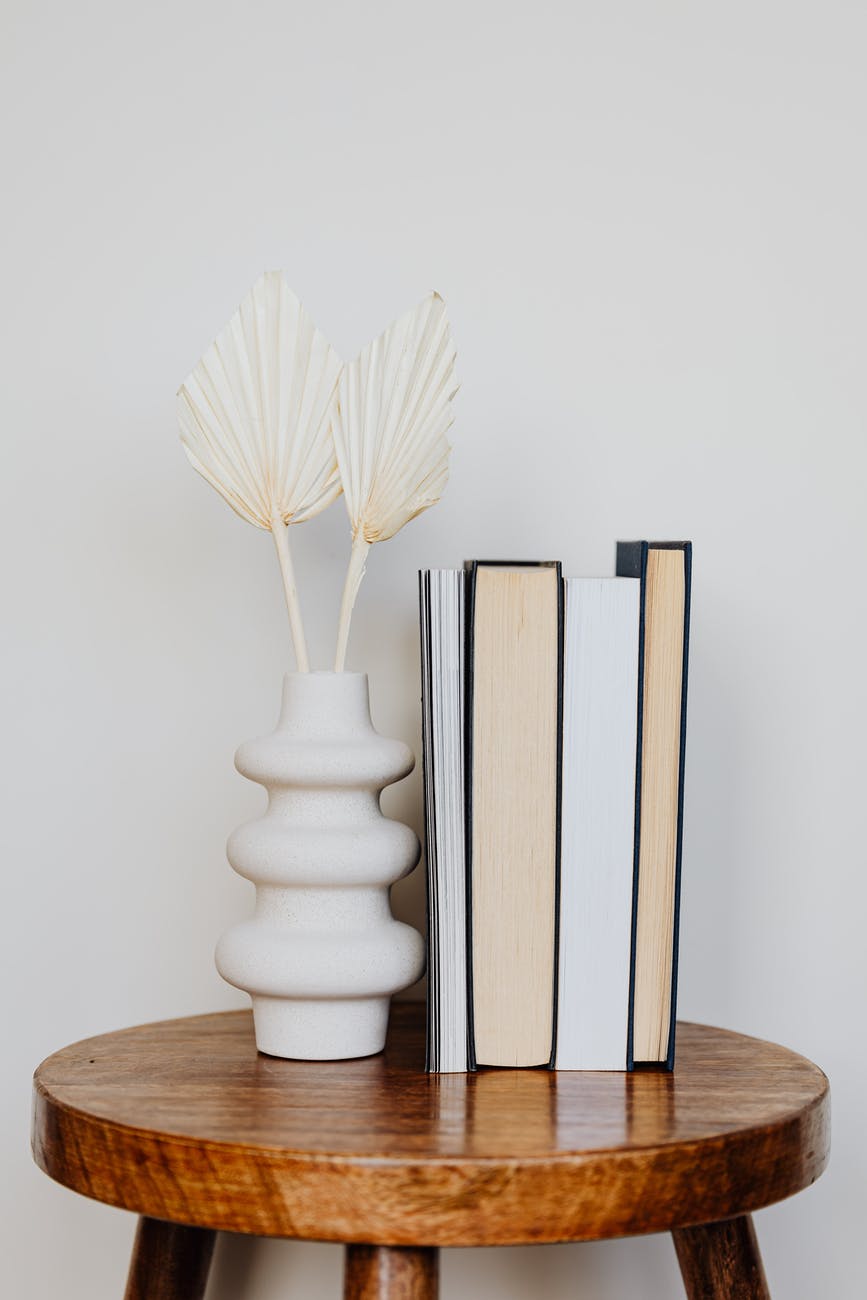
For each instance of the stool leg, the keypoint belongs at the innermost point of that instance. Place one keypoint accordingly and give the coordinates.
(391, 1273)
(721, 1261)
(169, 1261)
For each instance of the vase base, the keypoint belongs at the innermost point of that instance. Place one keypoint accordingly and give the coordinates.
(320, 1029)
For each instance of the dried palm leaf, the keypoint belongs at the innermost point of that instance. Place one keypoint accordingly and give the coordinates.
(393, 409)
(255, 417)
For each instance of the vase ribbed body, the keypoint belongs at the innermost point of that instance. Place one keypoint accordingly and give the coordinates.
(322, 954)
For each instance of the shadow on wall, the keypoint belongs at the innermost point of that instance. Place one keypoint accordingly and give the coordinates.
(714, 802)
(404, 802)
(256, 1269)
(284, 1270)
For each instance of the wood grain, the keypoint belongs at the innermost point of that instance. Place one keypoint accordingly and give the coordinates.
(721, 1261)
(184, 1121)
(169, 1262)
(390, 1273)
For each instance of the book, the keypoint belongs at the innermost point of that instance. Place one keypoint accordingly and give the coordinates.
(597, 840)
(441, 601)
(554, 717)
(664, 570)
(514, 657)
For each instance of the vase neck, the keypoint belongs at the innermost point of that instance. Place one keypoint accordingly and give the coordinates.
(323, 705)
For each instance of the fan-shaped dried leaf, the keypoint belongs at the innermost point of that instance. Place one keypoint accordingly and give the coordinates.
(255, 413)
(394, 407)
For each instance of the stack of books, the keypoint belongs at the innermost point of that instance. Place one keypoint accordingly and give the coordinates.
(554, 723)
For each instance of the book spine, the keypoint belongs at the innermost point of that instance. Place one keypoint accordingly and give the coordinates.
(561, 605)
(632, 563)
(430, 837)
(687, 561)
(469, 626)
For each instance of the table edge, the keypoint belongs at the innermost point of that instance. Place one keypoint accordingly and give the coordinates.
(399, 1200)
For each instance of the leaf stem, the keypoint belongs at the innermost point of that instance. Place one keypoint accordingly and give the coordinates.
(354, 574)
(280, 533)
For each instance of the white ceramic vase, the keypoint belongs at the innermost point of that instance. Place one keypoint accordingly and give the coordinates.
(322, 953)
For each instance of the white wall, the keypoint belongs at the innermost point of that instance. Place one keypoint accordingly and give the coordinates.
(648, 221)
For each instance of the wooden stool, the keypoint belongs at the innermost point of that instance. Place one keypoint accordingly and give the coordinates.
(185, 1124)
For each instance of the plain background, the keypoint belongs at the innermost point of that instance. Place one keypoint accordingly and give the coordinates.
(648, 221)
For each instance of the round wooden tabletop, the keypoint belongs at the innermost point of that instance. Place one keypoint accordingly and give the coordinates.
(185, 1121)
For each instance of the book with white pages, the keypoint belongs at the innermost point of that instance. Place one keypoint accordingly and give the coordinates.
(664, 570)
(441, 593)
(513, 668)
(597, 846)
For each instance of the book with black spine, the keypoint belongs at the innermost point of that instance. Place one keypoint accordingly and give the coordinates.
(664, 570)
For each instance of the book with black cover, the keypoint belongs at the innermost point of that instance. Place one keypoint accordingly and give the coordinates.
(525, 875)
(662, 693)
